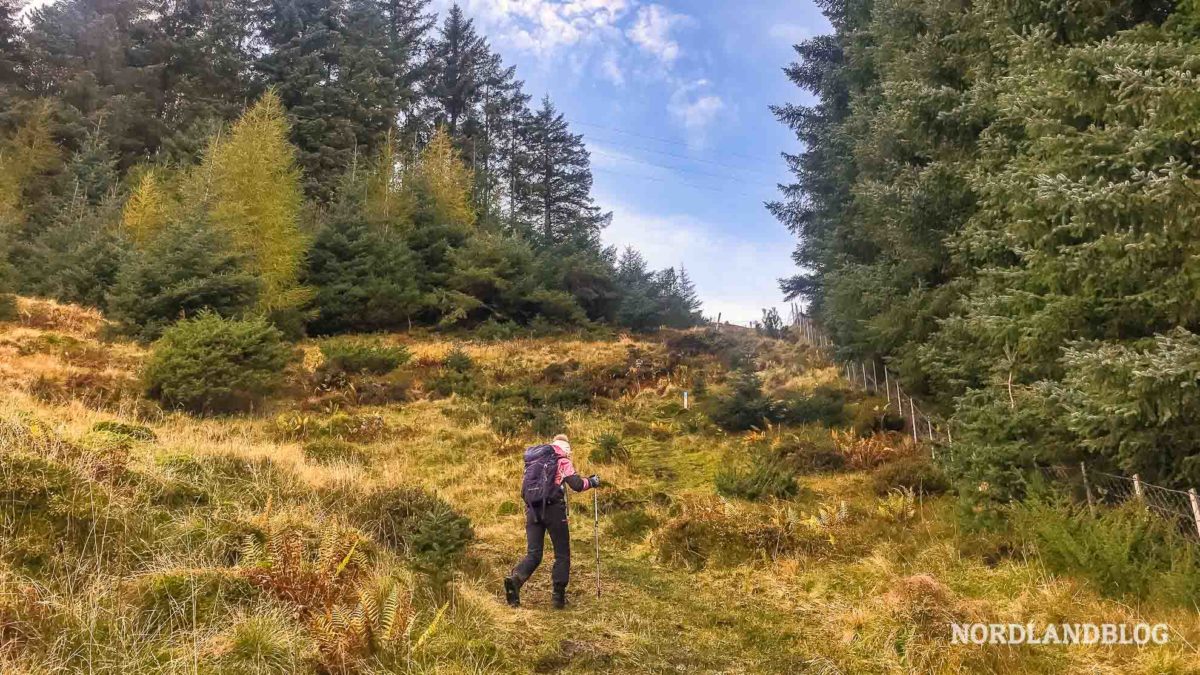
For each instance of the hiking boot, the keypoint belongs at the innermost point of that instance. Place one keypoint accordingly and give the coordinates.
(559, 597)
(512, 591)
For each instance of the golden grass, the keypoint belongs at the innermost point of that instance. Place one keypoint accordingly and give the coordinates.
(876, 598)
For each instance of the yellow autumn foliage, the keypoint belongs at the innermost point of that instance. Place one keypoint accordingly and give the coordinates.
(30, 152)
(250, 183)
(148, 209)
(443, 182)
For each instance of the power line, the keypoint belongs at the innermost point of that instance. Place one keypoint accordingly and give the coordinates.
(724, 165)
(678, 168)
(697, 186)
(659, 139)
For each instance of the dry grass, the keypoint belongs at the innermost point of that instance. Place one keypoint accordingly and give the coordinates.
(823, 584)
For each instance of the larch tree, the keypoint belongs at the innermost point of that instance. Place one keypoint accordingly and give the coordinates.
(250, 186)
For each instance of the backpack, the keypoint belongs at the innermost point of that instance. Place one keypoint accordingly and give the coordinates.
(541, 466)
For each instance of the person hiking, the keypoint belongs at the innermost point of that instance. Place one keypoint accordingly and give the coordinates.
(547, 468)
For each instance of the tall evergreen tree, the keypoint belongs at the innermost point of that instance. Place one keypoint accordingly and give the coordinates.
(459, 61)
(555, 197)
(13, 61)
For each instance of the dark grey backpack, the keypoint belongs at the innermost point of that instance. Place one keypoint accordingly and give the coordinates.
(541, 467)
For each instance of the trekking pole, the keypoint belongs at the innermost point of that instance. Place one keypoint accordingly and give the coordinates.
(596, 535)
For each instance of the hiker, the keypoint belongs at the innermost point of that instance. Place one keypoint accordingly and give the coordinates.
(547, 467)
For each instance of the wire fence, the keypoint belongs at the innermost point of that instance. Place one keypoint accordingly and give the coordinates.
(1097, 488)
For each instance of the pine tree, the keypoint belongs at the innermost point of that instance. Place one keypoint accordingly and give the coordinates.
(186, 269)
(203, 55)
(250, 187)
(639, 308)
(89, 56)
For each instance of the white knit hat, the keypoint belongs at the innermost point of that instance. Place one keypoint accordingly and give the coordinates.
(562, 443)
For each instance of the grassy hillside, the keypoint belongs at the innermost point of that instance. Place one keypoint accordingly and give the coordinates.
(312, 536)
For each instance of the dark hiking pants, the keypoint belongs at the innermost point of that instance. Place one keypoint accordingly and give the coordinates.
(539, 521)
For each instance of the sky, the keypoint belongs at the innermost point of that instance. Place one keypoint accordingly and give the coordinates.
(672, 99)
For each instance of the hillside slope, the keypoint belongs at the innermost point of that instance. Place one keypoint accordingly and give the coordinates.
(311, 537)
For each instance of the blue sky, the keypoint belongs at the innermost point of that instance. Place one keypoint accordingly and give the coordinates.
(672, 100)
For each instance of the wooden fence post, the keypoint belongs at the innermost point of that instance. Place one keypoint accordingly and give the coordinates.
(866, 387)
(1137, 487)
(1087, 488)
(929, 426)
(912, 416)
(887, 387)
(1195, 508)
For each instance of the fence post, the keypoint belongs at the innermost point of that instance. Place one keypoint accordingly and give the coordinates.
(874, 376)
(1087, 489)
(1137, 487)
(949, 438)
(685, 400)
(912, 416)
(929, 426)
(866, 387)
(887, 387)
(1195, 508)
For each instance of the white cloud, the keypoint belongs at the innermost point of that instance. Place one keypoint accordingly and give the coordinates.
(610, 68)
(652, 32)
(790, 32)
(696, 109)
(544, 26)
(734, 277)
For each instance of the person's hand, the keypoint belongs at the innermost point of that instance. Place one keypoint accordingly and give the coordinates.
(594, 480)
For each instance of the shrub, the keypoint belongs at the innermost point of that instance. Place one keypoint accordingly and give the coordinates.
(418, 524)
(609, 450)
(825, 405)
(1124, 551)
(438, 540)
(745, 406)
(331, 450)
(211, 365)
(357, 356)
(914, 472)
(458, 360)
(811, 454)
(766, 476)
(547, 421)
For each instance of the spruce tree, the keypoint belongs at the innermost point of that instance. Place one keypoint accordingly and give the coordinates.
(365, 277)
(186, 269)
(458, 64)
(555, 198)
